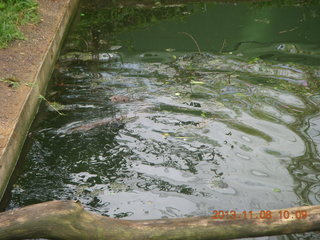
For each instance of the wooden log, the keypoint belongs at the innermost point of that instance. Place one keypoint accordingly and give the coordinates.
(68, 220)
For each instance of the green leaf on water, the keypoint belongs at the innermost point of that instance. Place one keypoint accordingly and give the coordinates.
(278, 190)
(197, 82)
(240, 94)
(254, 60)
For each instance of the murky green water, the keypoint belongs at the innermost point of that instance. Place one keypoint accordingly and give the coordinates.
(232, 124)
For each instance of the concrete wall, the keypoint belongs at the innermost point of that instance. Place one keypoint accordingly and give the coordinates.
(29, 108)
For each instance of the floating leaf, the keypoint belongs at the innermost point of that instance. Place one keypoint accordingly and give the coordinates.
(276, 190)
(197, 82)
(113, 48)
(240, 94)
(165, 135)
(254, 60)
(262, 20)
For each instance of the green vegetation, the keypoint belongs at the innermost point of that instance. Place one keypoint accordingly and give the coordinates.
(14, 13)
(11, 81)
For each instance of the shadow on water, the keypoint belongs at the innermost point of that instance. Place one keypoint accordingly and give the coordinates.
(153, 127)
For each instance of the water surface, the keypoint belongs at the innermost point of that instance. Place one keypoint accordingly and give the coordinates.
(232, 124)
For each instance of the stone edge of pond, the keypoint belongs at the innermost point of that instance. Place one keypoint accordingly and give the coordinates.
(30, 105)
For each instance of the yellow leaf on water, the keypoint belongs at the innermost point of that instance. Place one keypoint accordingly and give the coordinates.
(165, 135)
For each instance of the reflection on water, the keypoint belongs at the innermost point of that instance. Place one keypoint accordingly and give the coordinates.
(153, 130)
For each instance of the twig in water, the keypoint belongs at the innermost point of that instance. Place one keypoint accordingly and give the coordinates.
(51, 105)
(193, 39)
(223, 45)
(229, 76)
(85, 43)
(289, 30)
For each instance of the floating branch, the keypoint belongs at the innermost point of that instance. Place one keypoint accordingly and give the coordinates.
(68, 220)
(223, 45)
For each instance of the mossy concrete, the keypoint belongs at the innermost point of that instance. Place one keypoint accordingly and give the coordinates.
(29, 107)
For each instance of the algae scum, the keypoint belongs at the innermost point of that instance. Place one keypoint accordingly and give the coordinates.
(179, 110)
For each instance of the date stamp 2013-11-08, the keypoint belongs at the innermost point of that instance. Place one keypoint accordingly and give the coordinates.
(263, 214)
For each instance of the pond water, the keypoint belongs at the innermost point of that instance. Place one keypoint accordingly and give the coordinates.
(178, 110)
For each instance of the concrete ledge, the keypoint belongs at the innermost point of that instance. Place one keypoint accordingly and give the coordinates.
(29, 107)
